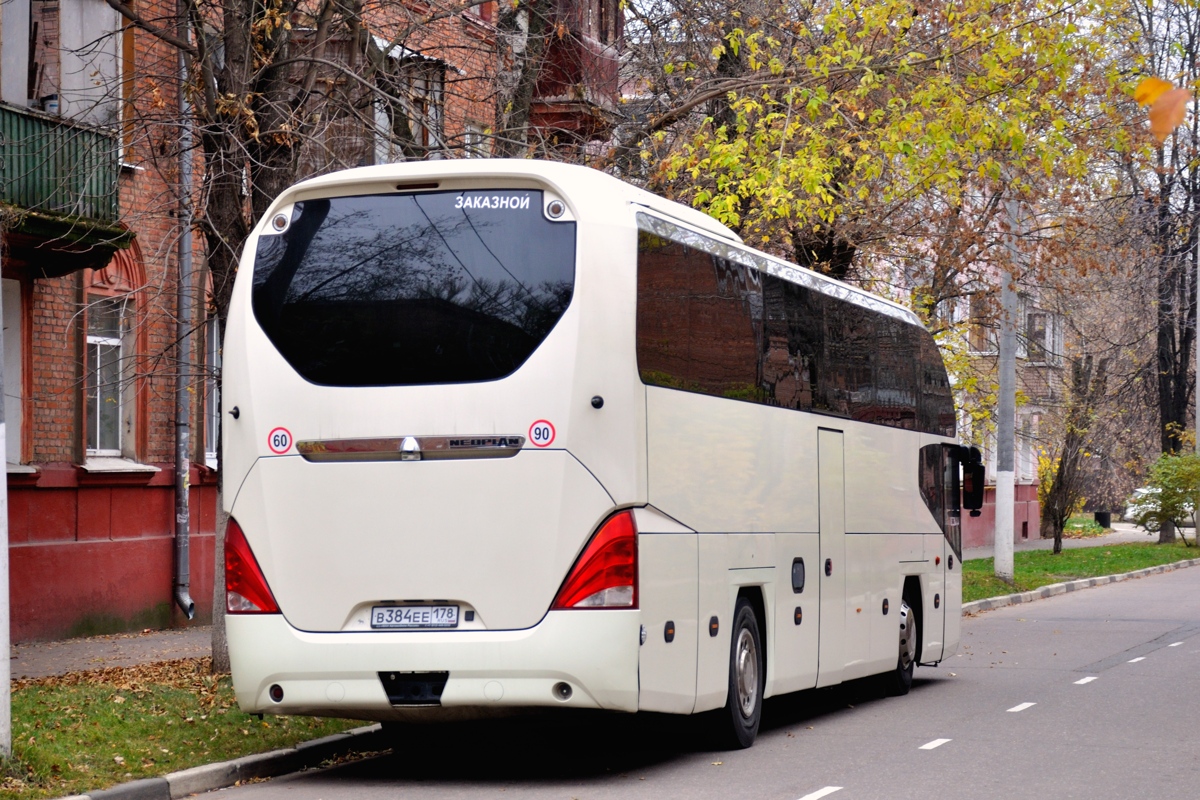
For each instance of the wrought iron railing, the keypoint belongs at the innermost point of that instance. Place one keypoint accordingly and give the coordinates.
(58, 167)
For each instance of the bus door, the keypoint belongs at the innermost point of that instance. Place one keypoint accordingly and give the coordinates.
(831, 499)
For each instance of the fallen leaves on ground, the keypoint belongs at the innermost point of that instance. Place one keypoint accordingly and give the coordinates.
(191, 674)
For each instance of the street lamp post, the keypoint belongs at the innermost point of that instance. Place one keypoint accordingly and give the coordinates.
(1006, 407)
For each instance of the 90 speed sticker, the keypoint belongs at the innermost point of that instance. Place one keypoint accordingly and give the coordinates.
(279, 440)
(541, 433)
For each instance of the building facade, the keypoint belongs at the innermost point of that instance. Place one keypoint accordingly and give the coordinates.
(89, 267)
(1039, 365)
(91, 220)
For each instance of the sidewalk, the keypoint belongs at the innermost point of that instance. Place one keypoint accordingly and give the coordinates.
(41, 659)
(1122, 533)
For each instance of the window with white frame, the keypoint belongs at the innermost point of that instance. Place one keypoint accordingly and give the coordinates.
(981, 332)
(1042, 338)
(1026, 450)
(89, 62)
(105, 404)
(475, 143)
(485, 11)
(409, 120)
(12, 370)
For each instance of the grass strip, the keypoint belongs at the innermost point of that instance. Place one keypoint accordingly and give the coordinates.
(1036, 568)
(1083, 527)
(84, 731)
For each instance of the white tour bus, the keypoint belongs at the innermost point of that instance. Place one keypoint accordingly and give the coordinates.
(513, 434)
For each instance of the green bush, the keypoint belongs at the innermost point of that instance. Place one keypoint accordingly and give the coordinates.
(1174, 492)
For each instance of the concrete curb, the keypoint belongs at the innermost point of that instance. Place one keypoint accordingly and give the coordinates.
(1053, 589)
(208, 777)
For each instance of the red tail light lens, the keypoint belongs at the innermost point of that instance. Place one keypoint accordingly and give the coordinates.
(605, 575)
(246, 590)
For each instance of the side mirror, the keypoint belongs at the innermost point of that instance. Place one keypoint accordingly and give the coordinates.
(972, 485)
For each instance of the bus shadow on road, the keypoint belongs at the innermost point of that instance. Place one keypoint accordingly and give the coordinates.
(547, 747)
(804, 708)
(584, 744)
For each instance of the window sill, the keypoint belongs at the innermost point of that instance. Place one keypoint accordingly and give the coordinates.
(20, 469)
(109, 464)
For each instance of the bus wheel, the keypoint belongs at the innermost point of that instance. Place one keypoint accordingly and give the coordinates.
(743, 710)
(900, 680)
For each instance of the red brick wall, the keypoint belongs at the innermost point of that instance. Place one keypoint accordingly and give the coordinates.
(980, 531)
(97, 556)
(94, 553)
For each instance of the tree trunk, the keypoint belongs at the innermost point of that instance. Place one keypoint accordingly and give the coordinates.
(1166, 534)
(1176, 312)
(521, 45)
(220, 643)
(1087, 387)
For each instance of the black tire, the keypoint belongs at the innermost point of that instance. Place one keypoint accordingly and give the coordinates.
(742, 714)
(899, 681)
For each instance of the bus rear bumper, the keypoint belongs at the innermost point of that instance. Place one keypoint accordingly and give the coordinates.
(595, 653)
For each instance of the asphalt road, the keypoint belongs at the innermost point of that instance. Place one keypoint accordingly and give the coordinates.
(1087, 695)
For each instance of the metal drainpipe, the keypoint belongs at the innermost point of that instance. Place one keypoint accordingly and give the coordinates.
(183, 333)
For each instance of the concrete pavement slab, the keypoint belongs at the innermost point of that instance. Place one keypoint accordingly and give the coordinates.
(42, 659)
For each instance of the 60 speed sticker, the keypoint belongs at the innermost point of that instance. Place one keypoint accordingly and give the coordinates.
(279, 440)
(541, 433)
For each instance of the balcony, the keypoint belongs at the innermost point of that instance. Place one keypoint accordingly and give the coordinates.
(59, 182)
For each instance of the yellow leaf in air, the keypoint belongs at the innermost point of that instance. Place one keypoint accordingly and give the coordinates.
(1150, 89)
(1167, 112)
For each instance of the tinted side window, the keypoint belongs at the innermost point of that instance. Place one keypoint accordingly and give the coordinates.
(936, 400)
(711, 325)
(795, 333)
(845, 360)
(698, 320)
(940, 489)
(402, 289)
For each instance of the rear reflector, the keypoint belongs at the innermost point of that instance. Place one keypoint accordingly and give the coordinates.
(605, 575)
(246, 590)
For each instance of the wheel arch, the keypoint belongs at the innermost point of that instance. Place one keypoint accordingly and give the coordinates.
(754, 595)
(912, 594)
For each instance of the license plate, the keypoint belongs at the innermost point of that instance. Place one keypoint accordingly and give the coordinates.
(414, 617)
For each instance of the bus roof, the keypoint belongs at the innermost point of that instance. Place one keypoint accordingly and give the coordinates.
(561, 174)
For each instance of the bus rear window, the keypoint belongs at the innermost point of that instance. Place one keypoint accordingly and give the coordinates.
(405, 289)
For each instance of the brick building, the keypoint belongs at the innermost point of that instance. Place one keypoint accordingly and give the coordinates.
(89, 265)
(90, 226)
(1039, 364)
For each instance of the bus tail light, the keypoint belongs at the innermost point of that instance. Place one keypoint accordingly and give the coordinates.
(246, 590)
(605, 574)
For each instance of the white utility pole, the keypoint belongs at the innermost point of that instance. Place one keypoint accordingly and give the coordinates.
(1006, 407)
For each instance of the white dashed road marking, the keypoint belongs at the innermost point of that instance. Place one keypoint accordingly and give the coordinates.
(819, 793)
(1088, 679)
(1021, 707)
(934, 744)
(1135, 660)
(1175, 645)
